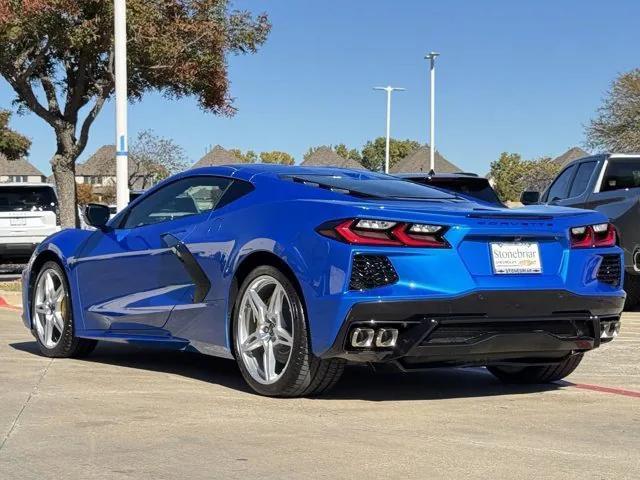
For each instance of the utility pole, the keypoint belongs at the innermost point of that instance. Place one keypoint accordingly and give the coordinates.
(388, 89)
(431, 56)
(122, 155)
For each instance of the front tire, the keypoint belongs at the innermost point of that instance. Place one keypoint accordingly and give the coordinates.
(271, 339)
(52, 316)
(537, 374)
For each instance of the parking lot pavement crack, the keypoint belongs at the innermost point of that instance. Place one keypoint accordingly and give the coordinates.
(33, 392)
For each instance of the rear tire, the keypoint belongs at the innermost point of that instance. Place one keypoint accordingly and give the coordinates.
(537, 374)
(632, 287)
(52, 316)
(284, 331)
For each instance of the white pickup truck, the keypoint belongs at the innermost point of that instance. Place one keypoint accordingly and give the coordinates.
(27, 216)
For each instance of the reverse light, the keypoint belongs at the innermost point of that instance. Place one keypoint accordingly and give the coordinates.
(593, 236)
(385, 232)
(374, 224)
(422, 228)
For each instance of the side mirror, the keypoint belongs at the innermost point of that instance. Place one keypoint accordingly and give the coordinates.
(530, 198)
(96, 215)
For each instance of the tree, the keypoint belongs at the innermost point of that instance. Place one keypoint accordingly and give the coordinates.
(508, 174)
(65, 48)
(249, 157)
(373, 153)
(153, 158)
(341, 149)
(616, 127)
(345, 152)
(277, 157)
(540, 173)
(85, 193)
(511, 175)
(12, 145)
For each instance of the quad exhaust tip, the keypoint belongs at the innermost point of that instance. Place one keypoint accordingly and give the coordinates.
(367, 337)
(609, 330)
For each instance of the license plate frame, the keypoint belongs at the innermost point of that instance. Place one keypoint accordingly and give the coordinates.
(515, 258)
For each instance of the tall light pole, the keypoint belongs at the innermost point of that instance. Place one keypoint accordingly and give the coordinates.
(120, 50)
(431, 56)
(388, 89)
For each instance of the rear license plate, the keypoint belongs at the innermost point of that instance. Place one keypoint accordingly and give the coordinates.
(516, 257)
(18, 222)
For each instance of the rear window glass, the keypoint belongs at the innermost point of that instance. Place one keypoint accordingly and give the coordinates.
(372, 185)
(622, 173)
(27, 199)
(472, 187)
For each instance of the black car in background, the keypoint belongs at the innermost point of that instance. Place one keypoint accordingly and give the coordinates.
(467, 185)
(609, 183)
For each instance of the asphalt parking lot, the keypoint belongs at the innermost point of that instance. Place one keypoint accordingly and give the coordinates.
(136, 413)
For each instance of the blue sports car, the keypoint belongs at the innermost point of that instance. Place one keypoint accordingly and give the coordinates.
(295, 271)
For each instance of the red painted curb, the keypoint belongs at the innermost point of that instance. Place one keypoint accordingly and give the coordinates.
(4, 304)
(599, 388)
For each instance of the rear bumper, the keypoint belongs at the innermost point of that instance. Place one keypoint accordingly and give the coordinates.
(481, 328)
(20, 249)
(21, 246)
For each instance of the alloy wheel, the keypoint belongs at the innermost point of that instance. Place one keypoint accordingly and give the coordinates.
(264, 336)
(50, 308)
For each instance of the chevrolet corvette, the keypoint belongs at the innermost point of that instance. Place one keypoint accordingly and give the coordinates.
(296, 271)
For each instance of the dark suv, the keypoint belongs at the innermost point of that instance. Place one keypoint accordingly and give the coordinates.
(609, 183)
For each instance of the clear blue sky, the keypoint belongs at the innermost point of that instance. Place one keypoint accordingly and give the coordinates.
(513, 76)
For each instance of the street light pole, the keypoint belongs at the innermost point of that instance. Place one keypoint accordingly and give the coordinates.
(431, 56)
(388, 89)
(120, 50)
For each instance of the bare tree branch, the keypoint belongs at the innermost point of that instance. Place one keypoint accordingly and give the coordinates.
(91, 116)
(24, 89)
(52, 97)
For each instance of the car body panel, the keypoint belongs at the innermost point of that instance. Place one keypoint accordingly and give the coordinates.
(128, 286)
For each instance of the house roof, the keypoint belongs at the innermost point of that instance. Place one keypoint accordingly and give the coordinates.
(569, 156)
(217, 156)
(102, 162)
(418, 161)
(18, 167)
(326, 157)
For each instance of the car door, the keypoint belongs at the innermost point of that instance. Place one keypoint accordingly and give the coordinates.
(578, 189)
(559, 189)
(131, 275)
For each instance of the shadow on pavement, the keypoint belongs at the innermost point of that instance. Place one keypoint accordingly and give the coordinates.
(357, 383)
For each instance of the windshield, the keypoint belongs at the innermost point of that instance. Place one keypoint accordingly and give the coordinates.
(27, 199)
(372, 185)
(473, 187)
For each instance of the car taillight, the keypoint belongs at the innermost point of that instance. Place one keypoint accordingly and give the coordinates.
(385, 232)
(593, 236)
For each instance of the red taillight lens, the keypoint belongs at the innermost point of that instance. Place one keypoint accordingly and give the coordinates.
(349, 231)
(593, 236)
(604, 235)
(383, 232)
